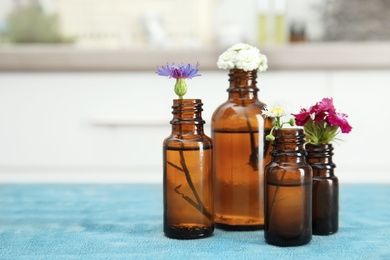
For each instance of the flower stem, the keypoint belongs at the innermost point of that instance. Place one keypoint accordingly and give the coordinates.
(253, 158)
(274, 200)
(198, 204)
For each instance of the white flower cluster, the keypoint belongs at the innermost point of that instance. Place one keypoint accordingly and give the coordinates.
(243, 56)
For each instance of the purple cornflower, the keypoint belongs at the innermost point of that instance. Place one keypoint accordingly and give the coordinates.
(180, 73)
(174, 71)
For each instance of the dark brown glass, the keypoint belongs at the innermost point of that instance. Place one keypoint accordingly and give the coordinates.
(325, 189)
(188, 179)
(288, 191)
(240, 153)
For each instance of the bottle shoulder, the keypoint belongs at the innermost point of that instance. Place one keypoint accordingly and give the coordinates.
(288, 172)
(241, 103)
(236, 116)
(188, 141)
(233, 109)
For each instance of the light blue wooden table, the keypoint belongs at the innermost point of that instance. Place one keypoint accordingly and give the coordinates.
(62, 221)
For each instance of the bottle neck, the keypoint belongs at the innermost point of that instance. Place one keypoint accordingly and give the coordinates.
(187, 117)
(242, 84)
(288, 145)
(319, 156)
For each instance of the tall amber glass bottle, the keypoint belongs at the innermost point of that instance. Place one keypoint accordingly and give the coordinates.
(188, 179)
(288, 191)
(240, 153)
(325, 189)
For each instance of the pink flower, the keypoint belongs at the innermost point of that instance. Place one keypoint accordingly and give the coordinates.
(322, 109)
(302, 117)
(326, 105)
(340, 120)
(322, 122)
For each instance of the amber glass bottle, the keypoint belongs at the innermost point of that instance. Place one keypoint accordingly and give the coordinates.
(188, 179)
(288, 191)
(325, 189)
(240, 153)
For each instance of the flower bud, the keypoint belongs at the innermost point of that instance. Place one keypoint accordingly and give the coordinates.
(270, 137)
(180, 87)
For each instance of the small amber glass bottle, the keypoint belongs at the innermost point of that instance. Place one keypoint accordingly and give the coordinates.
(240, 154)
(325, 189)
(288, 191)
(188, 179)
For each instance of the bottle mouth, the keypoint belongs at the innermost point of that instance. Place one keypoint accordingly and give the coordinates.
(319, 150)
(319, 147)
(289, 136)
(187, 106)
(187, 101)
(243, 72)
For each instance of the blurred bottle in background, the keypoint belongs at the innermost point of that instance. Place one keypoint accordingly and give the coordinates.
(271, 22)
(297, 31)
(280, 32)
(263, 12)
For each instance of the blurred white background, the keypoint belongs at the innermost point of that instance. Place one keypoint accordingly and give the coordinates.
(64, 121)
